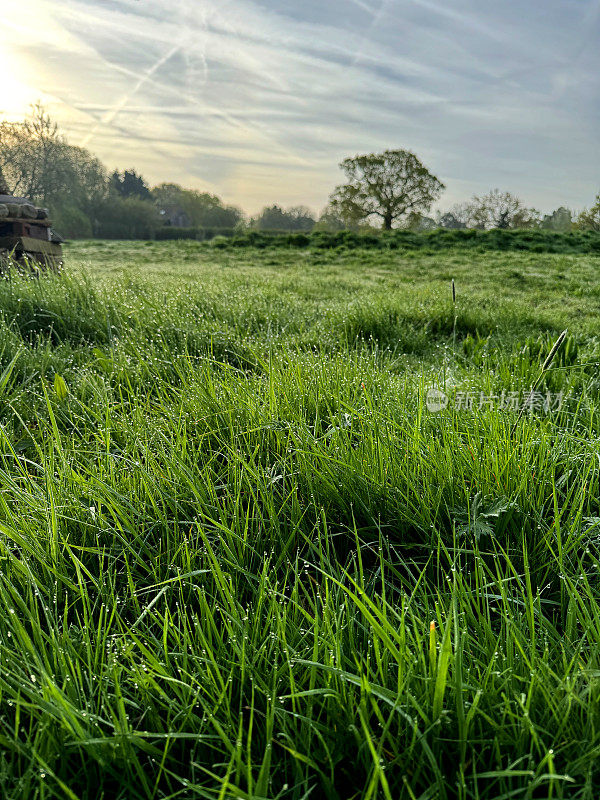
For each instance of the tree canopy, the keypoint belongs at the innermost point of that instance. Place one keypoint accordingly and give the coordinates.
(129, 184)
(275, 218)
(589, 219)
(186, 207)
(38, 163)
(495, 209)
(559, 220)
(387, 185)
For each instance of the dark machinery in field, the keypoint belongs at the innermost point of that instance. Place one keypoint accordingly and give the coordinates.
(26, 235)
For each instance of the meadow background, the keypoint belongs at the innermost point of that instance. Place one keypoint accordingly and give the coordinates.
(239, 558)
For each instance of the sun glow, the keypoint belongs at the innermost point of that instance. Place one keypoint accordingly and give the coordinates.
(20, 42)
(16, 95)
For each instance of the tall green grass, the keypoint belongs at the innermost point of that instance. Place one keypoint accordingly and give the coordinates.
(239, 558)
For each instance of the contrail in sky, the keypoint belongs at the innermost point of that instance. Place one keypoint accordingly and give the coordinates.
(364, 6)
(116, 109)
(377, 15)
(149, 77)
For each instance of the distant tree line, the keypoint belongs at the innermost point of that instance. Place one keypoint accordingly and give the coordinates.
(386, 190)
(397, 190)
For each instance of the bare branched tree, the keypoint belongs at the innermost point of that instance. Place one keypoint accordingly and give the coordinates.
(37, 162)
(589, 218)
(495, 209)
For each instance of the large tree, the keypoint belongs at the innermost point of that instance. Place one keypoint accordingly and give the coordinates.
(37, 162)
(33, 156)
(387, 185)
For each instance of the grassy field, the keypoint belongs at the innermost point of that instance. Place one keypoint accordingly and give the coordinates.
(240, 558)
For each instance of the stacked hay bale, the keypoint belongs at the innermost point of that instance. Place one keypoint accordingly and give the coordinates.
(25, 233)
(17, 207)
(20, 208)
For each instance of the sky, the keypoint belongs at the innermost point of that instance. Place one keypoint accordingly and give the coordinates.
(259, 100)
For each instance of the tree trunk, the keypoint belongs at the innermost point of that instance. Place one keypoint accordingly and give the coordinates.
(387, 222)
(3, 185)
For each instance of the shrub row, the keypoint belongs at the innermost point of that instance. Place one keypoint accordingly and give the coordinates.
(529, 240)
(169, 232)
(200, 234)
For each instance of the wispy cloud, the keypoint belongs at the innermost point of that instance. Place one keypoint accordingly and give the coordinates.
(259, 100)
(112, 113)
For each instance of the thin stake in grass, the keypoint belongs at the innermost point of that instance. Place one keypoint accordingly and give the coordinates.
(454, 323)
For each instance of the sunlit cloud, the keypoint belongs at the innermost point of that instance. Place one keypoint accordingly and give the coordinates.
(259, 101)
